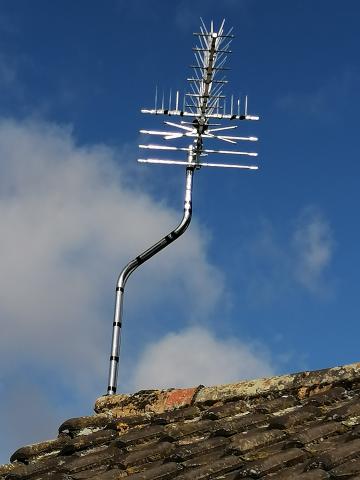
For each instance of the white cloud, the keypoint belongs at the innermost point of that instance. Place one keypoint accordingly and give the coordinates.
(196, 356)
(277, 263)
(69, 222)
(313, 246)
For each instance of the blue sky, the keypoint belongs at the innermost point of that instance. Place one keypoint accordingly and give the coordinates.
(264, 282)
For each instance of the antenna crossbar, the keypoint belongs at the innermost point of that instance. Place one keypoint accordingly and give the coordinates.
(198, 34)
(196, 49)
(204, 80)
(193, 133)
(215, 69)
(195, 151)
(198, 95)
(200, 164)
(183, 113)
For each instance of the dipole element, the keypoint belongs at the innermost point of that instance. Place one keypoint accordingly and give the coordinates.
(133, 265)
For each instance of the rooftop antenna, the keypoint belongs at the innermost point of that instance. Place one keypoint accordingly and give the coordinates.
(203, 104)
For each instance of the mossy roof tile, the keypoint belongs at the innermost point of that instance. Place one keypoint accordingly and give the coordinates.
(304, 426)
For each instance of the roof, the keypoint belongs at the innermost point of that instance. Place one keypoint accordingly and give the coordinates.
(304, 426)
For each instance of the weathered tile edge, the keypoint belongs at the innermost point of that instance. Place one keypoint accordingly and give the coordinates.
(146, 401)
(158, 401)
(280, 384)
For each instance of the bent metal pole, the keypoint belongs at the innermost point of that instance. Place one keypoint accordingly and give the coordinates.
(132, 266)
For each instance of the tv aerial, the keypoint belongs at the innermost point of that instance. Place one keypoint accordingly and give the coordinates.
(201, 113)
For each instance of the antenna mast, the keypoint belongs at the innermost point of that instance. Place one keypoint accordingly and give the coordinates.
(203, 104)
